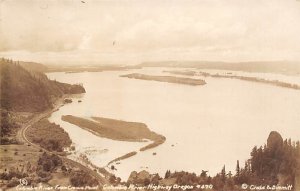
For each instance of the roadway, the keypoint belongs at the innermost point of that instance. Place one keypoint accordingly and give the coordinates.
(21, 137)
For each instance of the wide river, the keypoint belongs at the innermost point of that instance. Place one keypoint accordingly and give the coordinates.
(206, 126)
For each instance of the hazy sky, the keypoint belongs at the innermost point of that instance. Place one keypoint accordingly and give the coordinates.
(131, 31)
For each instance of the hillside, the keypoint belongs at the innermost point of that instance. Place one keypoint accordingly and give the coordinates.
(33, 66)
(30, 90)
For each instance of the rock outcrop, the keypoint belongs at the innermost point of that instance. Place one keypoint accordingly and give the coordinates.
(274, 141)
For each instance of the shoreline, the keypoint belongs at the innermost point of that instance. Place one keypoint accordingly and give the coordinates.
(85, 165)
(28, 155)
(82, 162)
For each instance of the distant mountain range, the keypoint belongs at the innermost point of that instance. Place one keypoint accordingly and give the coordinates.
(25, 88)
(283, 67)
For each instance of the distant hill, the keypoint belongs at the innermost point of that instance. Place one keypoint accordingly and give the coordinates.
(283, 67)
(29, 89)
(33, 66)
(88, 68)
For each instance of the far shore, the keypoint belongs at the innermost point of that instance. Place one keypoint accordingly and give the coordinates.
(169, 79)
(82, 68)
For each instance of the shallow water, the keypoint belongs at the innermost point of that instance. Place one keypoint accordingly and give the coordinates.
(205, 126)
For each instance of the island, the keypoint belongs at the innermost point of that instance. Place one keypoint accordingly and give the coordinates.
(169, 79)
(239, 77)
(117, 130)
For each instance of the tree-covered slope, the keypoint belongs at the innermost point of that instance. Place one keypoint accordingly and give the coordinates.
(28, 90)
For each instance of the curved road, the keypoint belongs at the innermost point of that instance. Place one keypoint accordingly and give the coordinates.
(21, 137)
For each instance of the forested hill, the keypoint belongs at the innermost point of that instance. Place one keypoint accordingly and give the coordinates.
(33, 66)
(29, 90)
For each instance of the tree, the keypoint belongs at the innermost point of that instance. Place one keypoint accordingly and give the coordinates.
(237, 168)
(168, 174)
(204, 173)
(82, 178)
(147, 181)
(223, 174)
(112, 179)
(5, 125)
(155, 179)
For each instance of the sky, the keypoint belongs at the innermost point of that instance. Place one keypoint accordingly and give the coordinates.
(134, 31)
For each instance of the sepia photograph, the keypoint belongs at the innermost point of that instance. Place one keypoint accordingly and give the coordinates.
(150, 95)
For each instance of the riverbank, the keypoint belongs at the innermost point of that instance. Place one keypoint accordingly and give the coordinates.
(169, 79)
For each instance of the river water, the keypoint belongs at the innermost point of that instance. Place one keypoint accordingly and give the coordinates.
(206, 126)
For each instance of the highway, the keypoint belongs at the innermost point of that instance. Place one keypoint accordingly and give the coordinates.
(21, 137)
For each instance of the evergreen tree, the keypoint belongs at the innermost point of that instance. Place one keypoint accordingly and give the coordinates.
(203, 174)
(223, 174)
(168, 174)
(237, 168)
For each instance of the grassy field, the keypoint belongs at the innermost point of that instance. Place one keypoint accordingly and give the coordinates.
(18, 161)
(17, 156)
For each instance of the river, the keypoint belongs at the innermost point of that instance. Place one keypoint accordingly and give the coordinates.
(206, 127)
